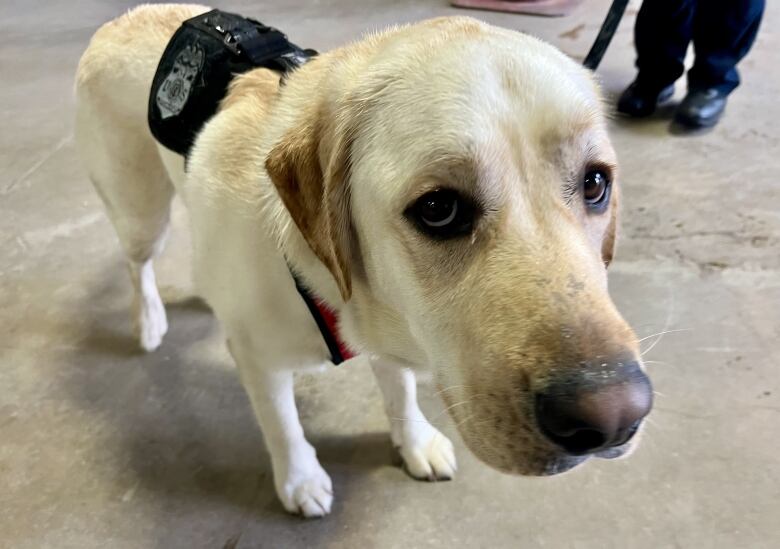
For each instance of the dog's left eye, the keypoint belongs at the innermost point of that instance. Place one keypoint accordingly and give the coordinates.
(595, 189)
(442, 214)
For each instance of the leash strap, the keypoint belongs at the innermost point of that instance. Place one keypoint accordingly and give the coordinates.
(607, 32)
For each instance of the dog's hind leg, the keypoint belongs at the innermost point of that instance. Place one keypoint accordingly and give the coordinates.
(128, 174)
(142, 229)
(427, 454)
(149, 319)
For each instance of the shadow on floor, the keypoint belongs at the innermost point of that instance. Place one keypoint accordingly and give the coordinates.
(183, 428)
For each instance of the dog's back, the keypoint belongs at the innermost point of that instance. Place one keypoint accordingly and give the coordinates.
(117, 68)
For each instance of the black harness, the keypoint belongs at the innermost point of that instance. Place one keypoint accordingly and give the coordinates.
(193, 75)
(201, 59)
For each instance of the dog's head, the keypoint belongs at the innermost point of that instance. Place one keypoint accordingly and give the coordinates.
(458, 181)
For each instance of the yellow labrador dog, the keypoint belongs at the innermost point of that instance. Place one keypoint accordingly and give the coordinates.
(448, 188)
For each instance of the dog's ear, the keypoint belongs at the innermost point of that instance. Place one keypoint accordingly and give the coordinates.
(311, 178)
(609, 241)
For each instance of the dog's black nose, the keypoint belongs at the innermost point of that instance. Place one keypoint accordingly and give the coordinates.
(598, 408)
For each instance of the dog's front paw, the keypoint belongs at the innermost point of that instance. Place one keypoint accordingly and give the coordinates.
(427, 454)
(303, 486)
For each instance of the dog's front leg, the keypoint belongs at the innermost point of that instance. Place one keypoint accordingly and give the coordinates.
(427, 454)
(301, 483)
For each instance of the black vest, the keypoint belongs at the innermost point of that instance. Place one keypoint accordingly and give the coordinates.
(201, 59)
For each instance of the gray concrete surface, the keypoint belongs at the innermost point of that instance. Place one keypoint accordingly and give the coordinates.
(101, 446)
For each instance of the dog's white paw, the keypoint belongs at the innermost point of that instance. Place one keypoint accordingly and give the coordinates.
(151, 323)
(303, 486)
(427, 454)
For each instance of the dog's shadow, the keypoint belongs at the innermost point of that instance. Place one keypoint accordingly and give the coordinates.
(182, 430)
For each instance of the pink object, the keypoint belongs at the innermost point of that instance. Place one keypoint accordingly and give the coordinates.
(549, 8)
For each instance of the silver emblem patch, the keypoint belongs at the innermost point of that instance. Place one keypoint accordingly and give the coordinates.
(172, 95)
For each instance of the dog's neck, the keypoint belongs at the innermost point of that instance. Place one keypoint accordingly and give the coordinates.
(366, 324)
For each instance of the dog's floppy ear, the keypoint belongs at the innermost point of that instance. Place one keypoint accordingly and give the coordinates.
(610, 235)
(311, 178)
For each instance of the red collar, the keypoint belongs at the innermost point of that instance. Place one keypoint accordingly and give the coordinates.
(327, 322)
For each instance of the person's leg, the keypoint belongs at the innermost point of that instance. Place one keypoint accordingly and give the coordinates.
(662, 33)
(723, 32)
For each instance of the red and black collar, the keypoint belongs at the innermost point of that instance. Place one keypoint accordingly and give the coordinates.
(327, 322)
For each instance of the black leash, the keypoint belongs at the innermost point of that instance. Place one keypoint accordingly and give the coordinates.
(607, 32)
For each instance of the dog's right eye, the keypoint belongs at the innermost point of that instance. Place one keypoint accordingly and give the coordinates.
(442, 214)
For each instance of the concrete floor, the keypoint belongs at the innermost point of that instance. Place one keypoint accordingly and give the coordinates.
(102, 446)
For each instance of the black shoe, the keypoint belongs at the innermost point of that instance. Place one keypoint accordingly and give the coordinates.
(701, 108)
(640, 100)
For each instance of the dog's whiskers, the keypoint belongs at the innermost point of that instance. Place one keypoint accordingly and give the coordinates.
(464, 421)
(664, 332)
(660, 336)
(434, 419)
(451, 387)
(393, 418)
(461, 403)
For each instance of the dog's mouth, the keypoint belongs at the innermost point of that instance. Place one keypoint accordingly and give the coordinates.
(615, 452)
(514, 444)
(568, 462)
(564, 463)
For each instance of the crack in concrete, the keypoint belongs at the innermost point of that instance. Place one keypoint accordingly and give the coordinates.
(37, 165)
(731, 234)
